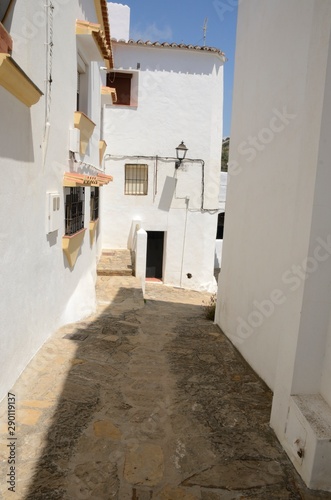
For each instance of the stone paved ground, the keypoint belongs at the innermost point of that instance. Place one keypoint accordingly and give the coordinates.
(115, 263)
(144, 400)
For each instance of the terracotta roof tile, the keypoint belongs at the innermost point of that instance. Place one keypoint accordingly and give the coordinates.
(105, 19)
(85, 27)
(172, 45)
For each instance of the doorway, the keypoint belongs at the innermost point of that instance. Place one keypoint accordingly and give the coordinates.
(154, 259)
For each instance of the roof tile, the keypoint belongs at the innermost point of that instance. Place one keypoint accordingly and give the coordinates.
(171, 45)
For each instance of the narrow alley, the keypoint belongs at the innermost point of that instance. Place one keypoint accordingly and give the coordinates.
(144, 400)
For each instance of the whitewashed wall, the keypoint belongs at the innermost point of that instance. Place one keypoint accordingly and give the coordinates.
(274, 295)
(273, 150)
(222, 200)
(218, 254)
(179, 98)
(39, 291)
(119, 15)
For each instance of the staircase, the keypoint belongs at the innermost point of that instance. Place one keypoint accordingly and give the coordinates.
(115, 263)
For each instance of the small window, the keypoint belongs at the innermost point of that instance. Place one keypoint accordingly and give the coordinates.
(94, 204)
(74, 210)
(122, 83)
(220, 226)
(136, 179)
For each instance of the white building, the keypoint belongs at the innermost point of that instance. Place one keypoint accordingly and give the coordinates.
(274, 298)
(220, 223)
(166, 93)
(50, 161)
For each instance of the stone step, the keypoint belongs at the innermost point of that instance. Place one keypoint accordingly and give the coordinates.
(115, 263)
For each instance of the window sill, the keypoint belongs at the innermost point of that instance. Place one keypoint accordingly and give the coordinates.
(86, 127)
(71, 245)
(93, 229)
(13, 79)
(130, 106)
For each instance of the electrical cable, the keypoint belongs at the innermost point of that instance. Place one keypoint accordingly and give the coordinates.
(171, 159)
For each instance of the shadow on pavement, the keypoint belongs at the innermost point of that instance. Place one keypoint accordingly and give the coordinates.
(159, 377)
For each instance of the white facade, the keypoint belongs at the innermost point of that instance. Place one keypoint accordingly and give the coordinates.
(176, 95)
(40, 290)
(222, 199)
(274, 296)
(119, 15)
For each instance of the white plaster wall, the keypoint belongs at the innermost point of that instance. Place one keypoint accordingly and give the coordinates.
(326, 369)
(301, 354)
(222, 193)
(313, 364)
(140, 250)
(278, 84)
(276, 267)
(39, 291)
(179, 98)
(218, 254)
(186, 228)
(221, 199)
(119, 17)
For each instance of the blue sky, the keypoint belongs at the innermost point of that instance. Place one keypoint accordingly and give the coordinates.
(181, 21)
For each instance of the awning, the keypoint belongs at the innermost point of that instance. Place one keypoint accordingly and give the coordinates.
(73, 179)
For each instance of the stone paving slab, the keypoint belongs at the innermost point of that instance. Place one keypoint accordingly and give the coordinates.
(115, 263)
(145, 399)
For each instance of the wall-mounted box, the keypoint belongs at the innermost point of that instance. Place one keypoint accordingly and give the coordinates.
(53, 212)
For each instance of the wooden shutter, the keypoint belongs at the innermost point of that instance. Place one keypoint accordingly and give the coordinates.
(122, 83)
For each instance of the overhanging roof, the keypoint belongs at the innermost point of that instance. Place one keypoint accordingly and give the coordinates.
(86, 30)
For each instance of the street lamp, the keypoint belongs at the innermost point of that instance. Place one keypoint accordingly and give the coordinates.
(181, 151)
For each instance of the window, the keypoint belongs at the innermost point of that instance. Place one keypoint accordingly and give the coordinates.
(136, 179)
(220, 226)
(74, 209)
(94, 204)
(122, 83)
